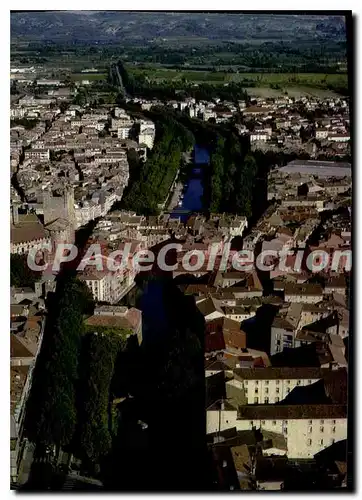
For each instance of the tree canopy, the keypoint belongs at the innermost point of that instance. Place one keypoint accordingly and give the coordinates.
(51, 411)
(233, 173)
(20, 273)
(94, 439)
(150, 184)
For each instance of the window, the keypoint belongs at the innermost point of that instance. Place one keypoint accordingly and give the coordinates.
(246, 392)
(266, 400)
(267, 382)
(321, 442)
(310, 430)
(309, 381)
(245, 382)
(256, 382)
(263, 422)
(285, 430)
(310, 422)
(277, 390)
(274, 422)
(256, 400)
(251, 423)
(298, 382)
(333, 422)
(333, 430)
(288, 390)
(285, 422)
(321, 429)
(266, 390)
(277, 400)
(277, 382)
(288, 382)
(309, 442)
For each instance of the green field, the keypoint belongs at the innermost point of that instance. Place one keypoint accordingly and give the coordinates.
(291, 78)
(164, 74)
(305, 82)
(296, 92)
(88, 76)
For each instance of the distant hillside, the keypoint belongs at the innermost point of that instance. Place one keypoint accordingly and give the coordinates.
(133, 27)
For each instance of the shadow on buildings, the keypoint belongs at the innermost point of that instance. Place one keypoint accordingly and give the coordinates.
(160, 444)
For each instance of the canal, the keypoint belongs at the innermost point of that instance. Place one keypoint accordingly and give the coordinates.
(152, 301)
(193, 187)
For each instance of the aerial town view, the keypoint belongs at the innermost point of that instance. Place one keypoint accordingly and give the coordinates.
(181, 255)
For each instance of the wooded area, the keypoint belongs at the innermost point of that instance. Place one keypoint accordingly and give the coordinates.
(149, 186)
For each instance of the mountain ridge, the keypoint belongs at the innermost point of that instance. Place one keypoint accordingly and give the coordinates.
(120, 26)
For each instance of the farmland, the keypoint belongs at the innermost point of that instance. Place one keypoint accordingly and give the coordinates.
(256, 83)
(160, 74)
(296, 92)
(88, 76)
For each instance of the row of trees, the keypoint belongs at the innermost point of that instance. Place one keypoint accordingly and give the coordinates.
(233, 174)
(93, 439)
(151, 183)
(51, 411)
(68, 405)
(236, 179)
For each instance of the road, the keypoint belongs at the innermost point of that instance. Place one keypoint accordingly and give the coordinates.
(114, 69)
(175, 196)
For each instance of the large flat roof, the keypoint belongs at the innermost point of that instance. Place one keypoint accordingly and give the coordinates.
(318, 168)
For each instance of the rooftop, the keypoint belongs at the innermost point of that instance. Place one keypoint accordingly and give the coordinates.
(291, 412)
(318, 168)
(27, 229)
(280, 373)
(303, 289)
(129, 321)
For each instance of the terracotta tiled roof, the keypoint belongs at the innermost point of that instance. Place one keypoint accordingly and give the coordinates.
(21, 348)
(110, 322)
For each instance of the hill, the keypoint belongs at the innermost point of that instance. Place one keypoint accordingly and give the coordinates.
(134, 27)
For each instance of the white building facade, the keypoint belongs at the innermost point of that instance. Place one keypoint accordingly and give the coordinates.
(307, 429)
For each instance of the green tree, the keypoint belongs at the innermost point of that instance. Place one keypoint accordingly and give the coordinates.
(150, 181)
(94, 438)
(20, 273)
(51, 411)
